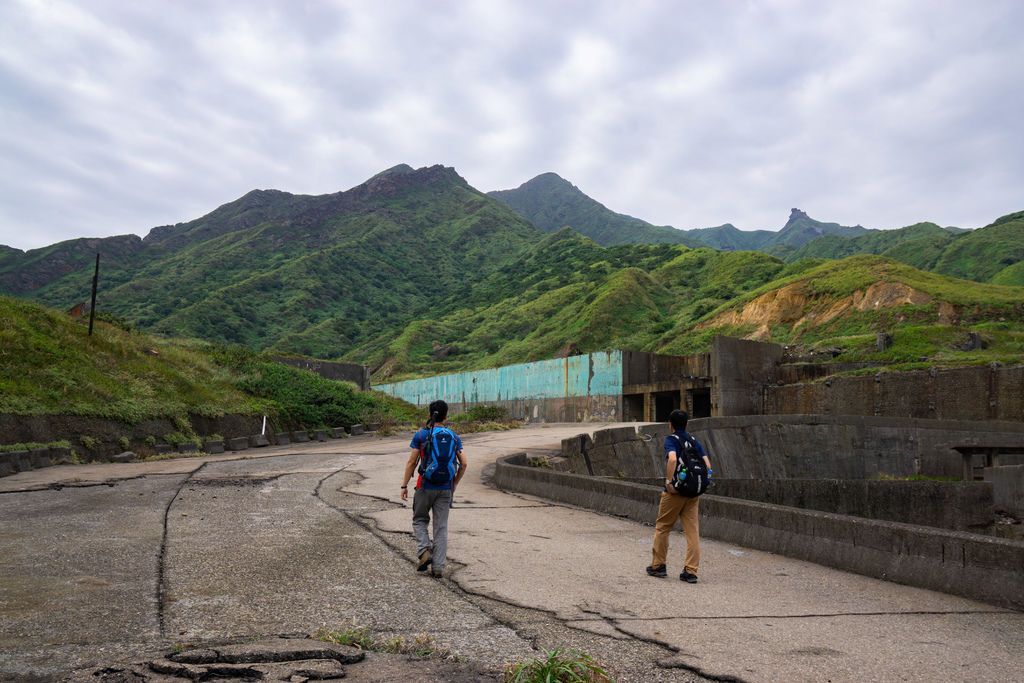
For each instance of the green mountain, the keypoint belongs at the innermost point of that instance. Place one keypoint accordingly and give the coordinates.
(416, 272)
(308, 274)
(551, 203)
(874, 242)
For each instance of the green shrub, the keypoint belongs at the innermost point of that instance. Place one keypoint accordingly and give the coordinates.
(558, 665)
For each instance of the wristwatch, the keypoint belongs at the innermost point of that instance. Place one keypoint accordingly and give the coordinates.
(668, 482)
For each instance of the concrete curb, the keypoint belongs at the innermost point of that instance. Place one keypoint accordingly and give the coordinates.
(979, 567)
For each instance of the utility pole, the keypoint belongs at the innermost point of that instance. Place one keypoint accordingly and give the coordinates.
(92, 308)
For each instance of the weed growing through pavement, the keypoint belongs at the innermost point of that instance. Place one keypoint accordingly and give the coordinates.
(363, 638)
(566, 666)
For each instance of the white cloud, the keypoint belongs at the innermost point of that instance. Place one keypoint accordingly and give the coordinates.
(118, 116)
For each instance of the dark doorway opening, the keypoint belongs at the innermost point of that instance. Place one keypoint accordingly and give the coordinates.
(664, 403)
(633, 408)
(700, 400)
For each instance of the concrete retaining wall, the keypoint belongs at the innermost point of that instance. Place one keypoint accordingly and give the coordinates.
(974, 566)
(958, 506)
(1007, 488)
(991, 392)
(573, 389)
(340, 372)
(843, 446)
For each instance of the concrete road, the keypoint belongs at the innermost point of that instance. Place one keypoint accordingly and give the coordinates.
(123, 562)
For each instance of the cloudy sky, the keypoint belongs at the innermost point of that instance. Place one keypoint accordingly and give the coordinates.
(118, 116)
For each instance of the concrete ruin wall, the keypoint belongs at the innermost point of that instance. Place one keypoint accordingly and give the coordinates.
(742, 369)
(573, 389)
(337, 371)
(990, 392)
(1007, 488)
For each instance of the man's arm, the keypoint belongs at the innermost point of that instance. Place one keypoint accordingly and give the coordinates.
(670, 470)
(462, 470)
(410, 467)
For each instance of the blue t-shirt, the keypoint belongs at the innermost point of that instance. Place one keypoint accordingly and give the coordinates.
(673, 445)
(417, 442)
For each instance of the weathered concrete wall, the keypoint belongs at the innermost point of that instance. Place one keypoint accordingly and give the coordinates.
(742, 369)
(842, 446)
(980, 393)
(339, 372)
(975, 566)
(574, 389)
(1007, 488)
(959, 506)
(655, 369)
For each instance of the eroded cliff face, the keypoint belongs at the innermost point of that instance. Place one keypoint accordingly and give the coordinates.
(793, 307)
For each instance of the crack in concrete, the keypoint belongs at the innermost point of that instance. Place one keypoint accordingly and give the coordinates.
(161, 572)
(475, 598)
(726, 617)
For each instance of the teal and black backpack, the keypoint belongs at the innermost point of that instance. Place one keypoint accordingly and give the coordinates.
(439, 458)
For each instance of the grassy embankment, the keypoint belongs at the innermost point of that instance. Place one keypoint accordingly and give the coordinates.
(49, 365)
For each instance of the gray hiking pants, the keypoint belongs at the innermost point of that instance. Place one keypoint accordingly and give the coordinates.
(424, 504)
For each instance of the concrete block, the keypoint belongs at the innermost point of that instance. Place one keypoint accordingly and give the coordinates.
(320, 434)
(282, 439)
(372, 427)
(607, 437)
(300, 436)
(6, 465)
(40, 457)
(213, 446)
(163, 449)
(338, 432)
(239, 443)
(127, 456)
(356, 430)
(604, 461)
(187, 447)
(259, 441)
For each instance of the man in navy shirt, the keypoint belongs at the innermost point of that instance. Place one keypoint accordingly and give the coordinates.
(433, 499)
(674, 506)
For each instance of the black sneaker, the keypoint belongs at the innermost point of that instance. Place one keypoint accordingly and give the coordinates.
(658, 571)
(688, 577)
(425, 558)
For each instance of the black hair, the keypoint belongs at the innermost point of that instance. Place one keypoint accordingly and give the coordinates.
(678, 419)
(438, 412)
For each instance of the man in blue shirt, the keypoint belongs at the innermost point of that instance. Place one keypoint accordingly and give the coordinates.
(674, 506)
(432, 498)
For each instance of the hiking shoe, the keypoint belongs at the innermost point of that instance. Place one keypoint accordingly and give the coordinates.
(436, 573)
(425, 557)
(658, 571)
(688, 577)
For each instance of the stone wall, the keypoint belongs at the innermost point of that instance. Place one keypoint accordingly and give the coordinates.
(978, 393)
(106, 434)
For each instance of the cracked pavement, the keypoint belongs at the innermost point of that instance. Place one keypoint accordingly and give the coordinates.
(106, 563)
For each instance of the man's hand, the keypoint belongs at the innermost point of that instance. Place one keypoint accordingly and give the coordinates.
(405, 493)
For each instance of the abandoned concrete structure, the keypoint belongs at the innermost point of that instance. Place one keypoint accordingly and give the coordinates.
(738, 377)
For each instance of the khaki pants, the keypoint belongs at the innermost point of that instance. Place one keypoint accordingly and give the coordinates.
(673, 507)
